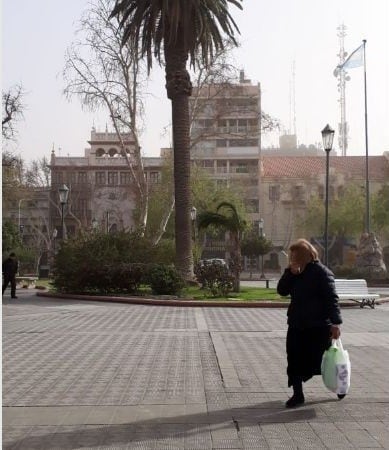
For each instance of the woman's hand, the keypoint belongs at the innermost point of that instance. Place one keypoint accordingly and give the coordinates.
(295, 268)
(335, 331)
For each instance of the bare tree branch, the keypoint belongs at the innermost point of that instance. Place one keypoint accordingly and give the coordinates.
(104, 74)
(13, 107)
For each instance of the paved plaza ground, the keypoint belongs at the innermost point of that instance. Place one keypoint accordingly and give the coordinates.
(116, 376)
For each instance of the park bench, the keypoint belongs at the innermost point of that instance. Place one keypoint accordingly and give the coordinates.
(22, 281)
(355, 290)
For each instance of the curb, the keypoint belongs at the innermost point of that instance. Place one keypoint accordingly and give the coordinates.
(183, 302)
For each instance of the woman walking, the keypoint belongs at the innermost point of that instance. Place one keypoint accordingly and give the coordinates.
(313, 315)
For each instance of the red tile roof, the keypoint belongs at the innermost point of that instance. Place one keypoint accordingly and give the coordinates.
(306, 166)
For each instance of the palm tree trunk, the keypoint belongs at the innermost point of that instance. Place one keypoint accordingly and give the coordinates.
(184, 259)
(179, 88)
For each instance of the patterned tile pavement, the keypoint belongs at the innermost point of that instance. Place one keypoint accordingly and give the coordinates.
(115, 376)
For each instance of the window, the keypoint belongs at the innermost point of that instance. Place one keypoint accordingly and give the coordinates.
(274, 192)
(298, 192)
(221, 166)
(72, 177)
(242, 125)
(241, 168)
(243, 142)
(154, 177)
(232, 123)
(221, 142)
(125, 178)
(112, 178)
(207, 163)
(321, 192)
(100, 177)
(82, 177)
(222, 125)
(204, 123)
(58, 177)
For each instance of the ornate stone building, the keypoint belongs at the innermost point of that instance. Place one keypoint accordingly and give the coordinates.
(101, 186)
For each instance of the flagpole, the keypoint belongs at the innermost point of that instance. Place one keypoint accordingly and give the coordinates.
(367, 193)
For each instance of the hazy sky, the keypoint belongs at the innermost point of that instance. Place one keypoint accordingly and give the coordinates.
(273, 35)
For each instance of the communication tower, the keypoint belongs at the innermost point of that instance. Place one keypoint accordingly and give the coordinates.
(342, 77)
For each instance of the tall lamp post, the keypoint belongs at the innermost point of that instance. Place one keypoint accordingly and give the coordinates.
(54, 236)
(328, 137)
(63, 199)
(193, 216)
(95, 224)
(19, 224)
(261, 235)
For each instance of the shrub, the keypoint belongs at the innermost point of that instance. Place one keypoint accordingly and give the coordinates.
(345, 272)
(215, 278)
(165, 279)
(98, 262)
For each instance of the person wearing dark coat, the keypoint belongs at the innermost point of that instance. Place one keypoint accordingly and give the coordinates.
(314, 316)
(10, 269)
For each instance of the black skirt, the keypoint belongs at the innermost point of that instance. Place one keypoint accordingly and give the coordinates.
(304, 349)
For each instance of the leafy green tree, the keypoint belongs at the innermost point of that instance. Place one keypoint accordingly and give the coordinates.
(345, 217)
(174, 31)
(347, 213)
(228, 219)
(10, 237)
(254, 246)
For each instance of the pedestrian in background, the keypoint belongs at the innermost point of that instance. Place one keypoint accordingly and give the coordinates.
(10, 269)
(313, 315)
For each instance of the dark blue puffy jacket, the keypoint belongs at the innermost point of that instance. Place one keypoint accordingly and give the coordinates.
(314, 301)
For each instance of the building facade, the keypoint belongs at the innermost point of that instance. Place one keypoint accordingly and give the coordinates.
(289, 182)
(225, 142)
(101, 185)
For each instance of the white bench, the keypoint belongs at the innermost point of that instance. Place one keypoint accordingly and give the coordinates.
(23, 281)
(355, 290)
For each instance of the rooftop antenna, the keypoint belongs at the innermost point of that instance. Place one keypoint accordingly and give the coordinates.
(342, 77)
(292, 100)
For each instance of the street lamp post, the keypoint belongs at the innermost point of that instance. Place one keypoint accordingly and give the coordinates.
(94, 224)
(328, 138)
(19, 224)
(54, 236)
(63, 199)
(261, 235)
(193, 216)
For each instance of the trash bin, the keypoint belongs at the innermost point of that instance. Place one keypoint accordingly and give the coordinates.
(44, 271)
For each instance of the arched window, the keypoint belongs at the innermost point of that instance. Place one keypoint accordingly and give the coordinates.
(112, 152)
(100, 152)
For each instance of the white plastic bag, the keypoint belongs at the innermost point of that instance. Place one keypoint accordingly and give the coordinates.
(336, 368)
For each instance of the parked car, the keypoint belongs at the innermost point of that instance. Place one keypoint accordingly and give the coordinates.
(219, 261)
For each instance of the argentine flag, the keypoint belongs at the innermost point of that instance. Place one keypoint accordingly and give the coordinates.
(354, 60)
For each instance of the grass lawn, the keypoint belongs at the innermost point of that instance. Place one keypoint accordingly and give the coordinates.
(246, 294)
(44, 282)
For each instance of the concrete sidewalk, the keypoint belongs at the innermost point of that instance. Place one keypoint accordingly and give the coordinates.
(95, 375)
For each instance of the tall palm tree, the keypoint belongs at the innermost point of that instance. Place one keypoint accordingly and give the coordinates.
(232, 222)
(178, 30)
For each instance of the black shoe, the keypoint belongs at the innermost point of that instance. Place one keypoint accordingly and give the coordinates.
(341, 396)
(295, 400)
